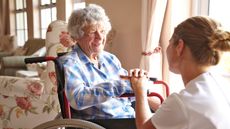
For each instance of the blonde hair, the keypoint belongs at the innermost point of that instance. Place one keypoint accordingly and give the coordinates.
(204, 37)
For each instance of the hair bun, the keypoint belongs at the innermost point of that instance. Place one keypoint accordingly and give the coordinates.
(220, 40)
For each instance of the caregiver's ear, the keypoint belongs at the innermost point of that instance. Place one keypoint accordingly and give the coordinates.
(180, 47)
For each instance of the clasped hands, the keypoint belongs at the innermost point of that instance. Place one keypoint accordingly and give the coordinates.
(140, 84)
(139, 80)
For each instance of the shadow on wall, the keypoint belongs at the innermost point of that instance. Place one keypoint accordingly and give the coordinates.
(109, 40)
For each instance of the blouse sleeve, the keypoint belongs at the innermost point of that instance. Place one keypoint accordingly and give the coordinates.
(171, 115)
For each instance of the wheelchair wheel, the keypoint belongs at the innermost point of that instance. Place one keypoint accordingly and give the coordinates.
(68, 123)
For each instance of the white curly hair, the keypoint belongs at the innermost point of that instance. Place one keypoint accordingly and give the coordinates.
(89, 15)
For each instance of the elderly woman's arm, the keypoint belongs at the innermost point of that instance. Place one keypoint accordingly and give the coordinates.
(154, 103)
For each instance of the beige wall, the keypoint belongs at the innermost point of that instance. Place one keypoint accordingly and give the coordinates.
(125, 16)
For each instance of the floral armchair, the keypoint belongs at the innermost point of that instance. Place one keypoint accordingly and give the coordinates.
(28, 102)
(24, 104)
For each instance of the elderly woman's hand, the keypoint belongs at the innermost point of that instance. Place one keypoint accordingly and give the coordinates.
(66, 40)
(139, 81)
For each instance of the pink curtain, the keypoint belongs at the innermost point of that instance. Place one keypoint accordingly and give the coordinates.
(4, 21)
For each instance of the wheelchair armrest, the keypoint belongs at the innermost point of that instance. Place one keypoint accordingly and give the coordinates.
(5, 54)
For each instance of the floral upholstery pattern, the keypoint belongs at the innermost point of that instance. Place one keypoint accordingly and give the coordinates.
(53, 46)
(28, 102)
(24, 104)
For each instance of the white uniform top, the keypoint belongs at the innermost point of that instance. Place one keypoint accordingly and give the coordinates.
(204, 104)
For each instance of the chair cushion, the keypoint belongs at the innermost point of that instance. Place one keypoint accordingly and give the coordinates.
(20, 51)
(33, 45)
(7, 43)
(40, 52)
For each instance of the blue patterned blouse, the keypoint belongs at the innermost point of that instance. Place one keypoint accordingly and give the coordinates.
(94, 91)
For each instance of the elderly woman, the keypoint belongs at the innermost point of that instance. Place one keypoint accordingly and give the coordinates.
(92, 75)
(195, 46)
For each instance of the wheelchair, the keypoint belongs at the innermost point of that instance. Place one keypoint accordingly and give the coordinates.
(67, 112)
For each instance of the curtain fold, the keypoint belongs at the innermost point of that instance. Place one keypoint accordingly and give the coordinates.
(159, 17)
(3, 18)
(164, 40)
(152, 20)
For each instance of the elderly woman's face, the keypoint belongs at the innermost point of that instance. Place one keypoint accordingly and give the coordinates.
(93, 40)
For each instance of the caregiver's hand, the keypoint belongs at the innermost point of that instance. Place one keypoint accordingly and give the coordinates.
(139, 80)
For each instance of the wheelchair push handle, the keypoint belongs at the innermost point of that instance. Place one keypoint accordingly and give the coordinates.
(128, 77)
(154, 80)
(39, 59)
(149, 94)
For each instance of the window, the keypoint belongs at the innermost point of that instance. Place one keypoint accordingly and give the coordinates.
(21, 22)
(48, 13)
(218, 9)
(78, 4)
